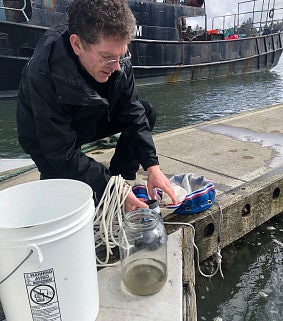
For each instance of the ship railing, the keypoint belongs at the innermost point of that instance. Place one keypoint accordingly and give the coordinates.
(268, 9)
(22, 10)
(266, 19)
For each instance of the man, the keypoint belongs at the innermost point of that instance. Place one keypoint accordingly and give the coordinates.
(79, 87)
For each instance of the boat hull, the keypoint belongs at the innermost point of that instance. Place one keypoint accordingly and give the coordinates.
(185, 61)
(11, 68)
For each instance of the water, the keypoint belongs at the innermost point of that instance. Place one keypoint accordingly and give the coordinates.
(144, 276)
(253, 270)
(252, 289)
(9, 147)
(184, 104)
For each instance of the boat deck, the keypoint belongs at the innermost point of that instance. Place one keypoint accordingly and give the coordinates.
(243, 156)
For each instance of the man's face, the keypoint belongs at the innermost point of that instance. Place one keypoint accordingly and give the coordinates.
(100, 60)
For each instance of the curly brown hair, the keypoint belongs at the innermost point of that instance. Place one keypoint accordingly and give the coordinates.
(90, 19)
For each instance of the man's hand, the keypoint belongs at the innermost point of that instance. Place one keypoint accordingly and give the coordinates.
(156, 179)
(132, 202)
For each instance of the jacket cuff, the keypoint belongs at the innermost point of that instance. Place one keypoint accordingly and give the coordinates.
(150, 162)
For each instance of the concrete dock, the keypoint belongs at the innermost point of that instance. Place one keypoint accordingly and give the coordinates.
(242, 155)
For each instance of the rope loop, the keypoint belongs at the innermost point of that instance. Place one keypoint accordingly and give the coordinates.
(217, 256)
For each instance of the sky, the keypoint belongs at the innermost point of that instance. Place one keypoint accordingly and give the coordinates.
(216, 8)
(220, 7)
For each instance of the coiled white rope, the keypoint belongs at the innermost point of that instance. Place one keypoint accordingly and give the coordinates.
(109, 217)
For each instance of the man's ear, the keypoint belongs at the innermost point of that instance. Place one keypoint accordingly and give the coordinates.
(76, 44)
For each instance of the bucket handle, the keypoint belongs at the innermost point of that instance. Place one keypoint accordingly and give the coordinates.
(17, 267)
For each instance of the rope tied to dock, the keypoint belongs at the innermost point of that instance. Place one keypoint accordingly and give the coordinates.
(217, 256)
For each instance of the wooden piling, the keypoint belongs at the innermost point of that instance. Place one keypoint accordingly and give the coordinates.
(189, 294)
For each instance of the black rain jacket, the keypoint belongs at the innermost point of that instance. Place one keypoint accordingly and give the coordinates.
(57, 110)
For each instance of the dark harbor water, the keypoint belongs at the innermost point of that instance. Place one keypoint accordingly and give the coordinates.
(252, 289)
(184, 104)
(253, 268)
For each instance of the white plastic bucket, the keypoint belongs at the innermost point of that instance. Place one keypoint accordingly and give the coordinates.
(58, 279)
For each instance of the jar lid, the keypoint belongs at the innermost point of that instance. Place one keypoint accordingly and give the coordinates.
(141, 217)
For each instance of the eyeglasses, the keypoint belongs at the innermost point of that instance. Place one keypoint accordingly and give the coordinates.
(111, 63)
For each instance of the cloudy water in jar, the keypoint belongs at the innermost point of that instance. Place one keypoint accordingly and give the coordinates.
(144, 277)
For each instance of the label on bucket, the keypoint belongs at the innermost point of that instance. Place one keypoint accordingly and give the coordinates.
(43, 300)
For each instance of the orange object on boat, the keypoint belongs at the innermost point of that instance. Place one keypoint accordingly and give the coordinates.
(212, 32)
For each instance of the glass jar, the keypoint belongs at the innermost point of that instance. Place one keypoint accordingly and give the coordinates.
(143, 252)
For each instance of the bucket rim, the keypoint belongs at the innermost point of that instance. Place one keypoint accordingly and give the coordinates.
(67, 215)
